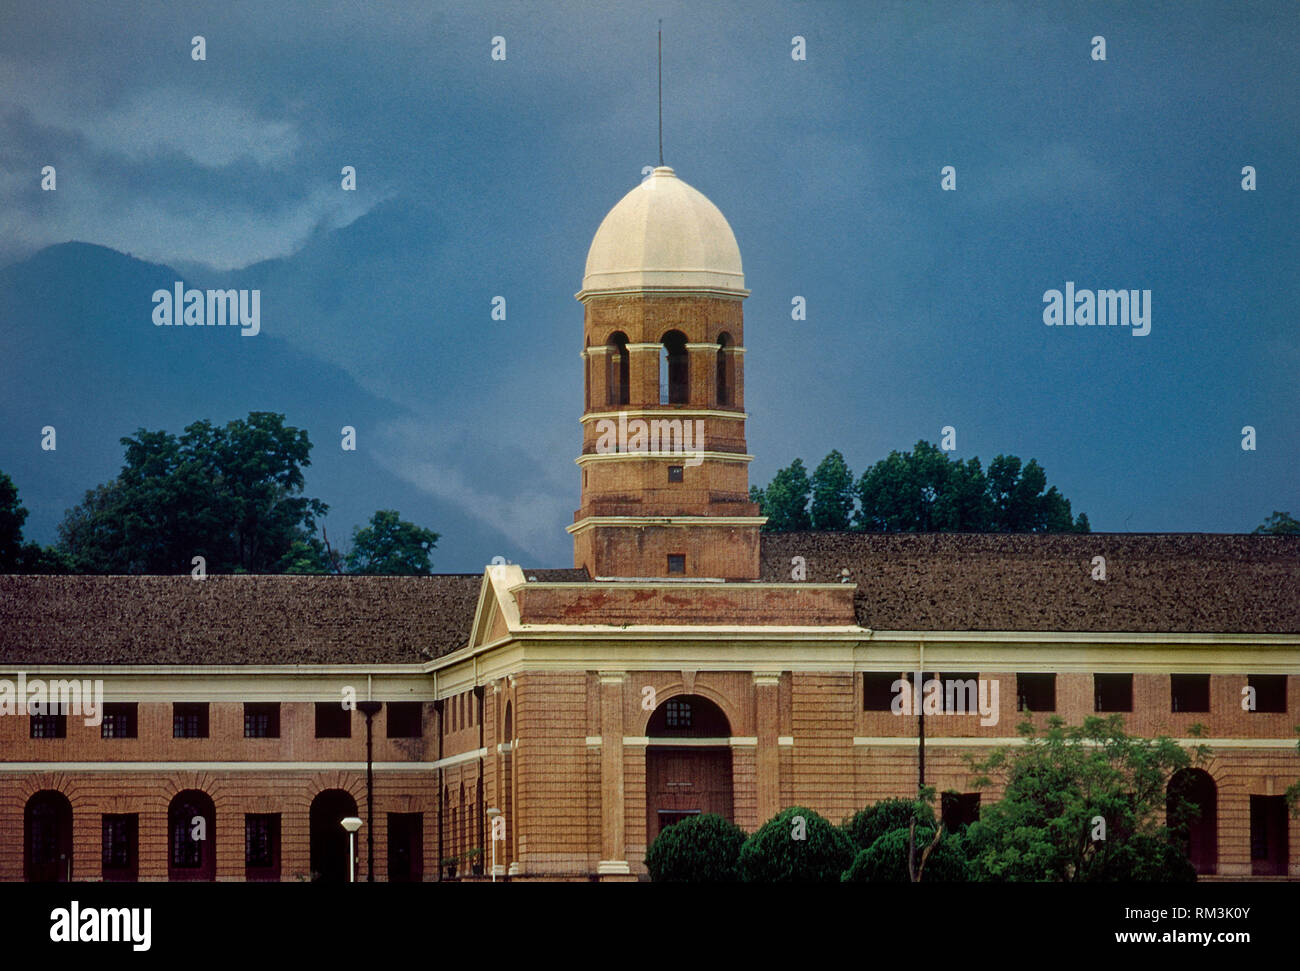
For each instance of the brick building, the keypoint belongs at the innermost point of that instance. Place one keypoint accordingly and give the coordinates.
(686, 663)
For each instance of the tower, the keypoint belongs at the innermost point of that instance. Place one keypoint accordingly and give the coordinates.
(665, 473)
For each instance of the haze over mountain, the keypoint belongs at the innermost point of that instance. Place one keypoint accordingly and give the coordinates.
(83, 355)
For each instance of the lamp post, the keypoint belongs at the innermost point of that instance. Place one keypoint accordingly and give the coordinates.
(351, 824)
(369, 709)
(492, 815)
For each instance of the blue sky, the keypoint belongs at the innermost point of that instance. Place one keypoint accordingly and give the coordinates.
(479, 177)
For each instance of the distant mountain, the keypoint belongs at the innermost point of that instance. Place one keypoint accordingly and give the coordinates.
(81, 353)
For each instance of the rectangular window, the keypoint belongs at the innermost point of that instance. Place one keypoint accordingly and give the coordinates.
(190, 719)
(960, 809)
(405, 847)
(48, 721)
(262, 846)
(261, 719)
(878, 691)
(333, 720)
(405, 719)
(1035, 692)
(1268, 836)
(678, 713)
(1189, 692)
(676, 562)
(1270, 692)
(1113, 692)
(120, 834)
(675, 473)
(186, 851)
(119, 720)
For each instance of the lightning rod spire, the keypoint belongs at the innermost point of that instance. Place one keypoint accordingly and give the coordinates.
(661, 91)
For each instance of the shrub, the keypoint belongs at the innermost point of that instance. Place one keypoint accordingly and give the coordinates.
(699, 849)
(773, 855)
(1143, 859)
(885, 861)
(869, 824)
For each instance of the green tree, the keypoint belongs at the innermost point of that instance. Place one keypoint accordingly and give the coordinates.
(795, 846)
(873, 822)
(1059, 786)
(885, 860)
(1019, 503)
(699, 849)
(926, 491)
(15, 555)
(785, 500)
(390, 545)
(832, 494)
(922, 491)
(230, 494)
(1279, 524)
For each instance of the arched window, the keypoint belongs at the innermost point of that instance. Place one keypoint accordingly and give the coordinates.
(617, 375)
(688, 715)
(724, 378)
(674, 370)
(510, 717)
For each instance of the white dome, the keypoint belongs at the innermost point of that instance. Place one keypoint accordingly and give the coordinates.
(664, 236)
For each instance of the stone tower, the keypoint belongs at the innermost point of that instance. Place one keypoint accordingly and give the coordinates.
(665, 473)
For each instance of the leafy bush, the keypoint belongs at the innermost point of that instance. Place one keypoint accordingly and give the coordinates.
(1143, 859)
(699, 849)
(869, 824)
(774, 855)
(885, 861)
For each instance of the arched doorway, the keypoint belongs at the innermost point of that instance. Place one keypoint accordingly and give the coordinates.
(191, 836)
(1191, 812)
(47, 838)
(329, 840)
(686, 779)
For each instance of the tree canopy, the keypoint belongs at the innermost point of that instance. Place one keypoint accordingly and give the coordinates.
(390, 545)
(15, 555)
(1279, 524)
(918, 491)
(1083, 803)
(230, 494)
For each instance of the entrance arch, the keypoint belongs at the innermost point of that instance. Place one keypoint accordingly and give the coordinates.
(685, 775)
(191, 836)
(329, 840)
(47, 843)
(1198, 830)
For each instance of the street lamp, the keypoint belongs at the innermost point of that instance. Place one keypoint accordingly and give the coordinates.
(492, 815)
(351, 824)
(370, 709)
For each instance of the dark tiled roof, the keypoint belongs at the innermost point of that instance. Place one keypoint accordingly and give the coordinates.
(234, 619)
(1169, 582)
(558, 576)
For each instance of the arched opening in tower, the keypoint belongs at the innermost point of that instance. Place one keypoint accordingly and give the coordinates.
(674, 370)
(617, 376)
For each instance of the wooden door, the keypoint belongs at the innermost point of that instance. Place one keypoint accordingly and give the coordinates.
(686, 781)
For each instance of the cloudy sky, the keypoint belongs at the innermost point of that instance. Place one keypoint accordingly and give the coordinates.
(479, 177)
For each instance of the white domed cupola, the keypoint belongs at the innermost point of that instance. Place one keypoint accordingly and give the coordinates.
(664, 237)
